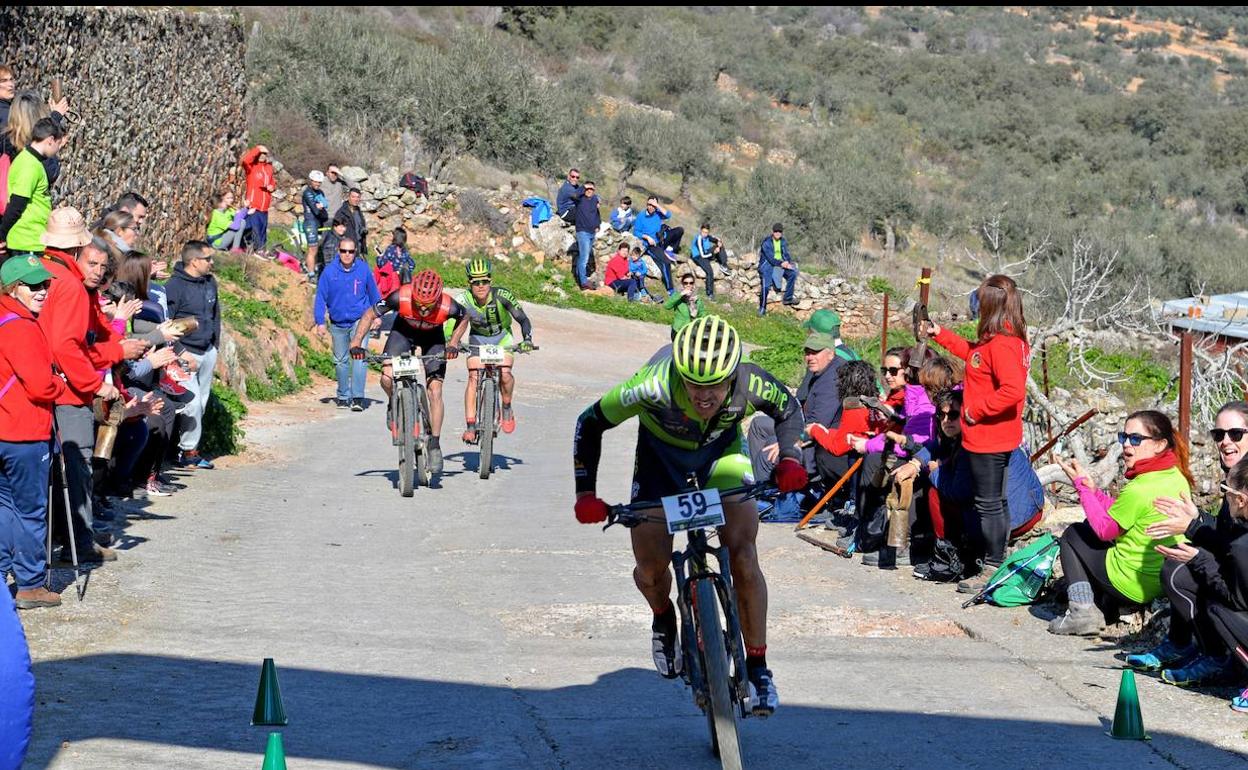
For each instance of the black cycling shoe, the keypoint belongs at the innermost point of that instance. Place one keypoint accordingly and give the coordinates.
(435, 457)
(763, 697)
(665, 648)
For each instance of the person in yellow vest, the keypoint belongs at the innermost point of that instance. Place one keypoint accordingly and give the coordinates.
(26, 212)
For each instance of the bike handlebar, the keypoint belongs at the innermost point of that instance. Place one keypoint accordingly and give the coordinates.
(509, 349)
(381, 359)
(631, 514)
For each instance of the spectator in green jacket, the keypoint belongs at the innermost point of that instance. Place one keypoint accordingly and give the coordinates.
(686, 303)
(223, 232)
(26, 215)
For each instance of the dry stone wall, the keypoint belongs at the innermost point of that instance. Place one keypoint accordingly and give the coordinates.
(156, 98)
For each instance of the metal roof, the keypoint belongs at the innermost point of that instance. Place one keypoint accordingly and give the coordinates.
(1222, 314)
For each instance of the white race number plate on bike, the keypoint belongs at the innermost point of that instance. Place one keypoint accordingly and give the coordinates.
(693, 510)
(491, 354)
(407, 366)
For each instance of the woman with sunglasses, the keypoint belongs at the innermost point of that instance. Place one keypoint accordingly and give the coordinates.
(1111, 560)
(28, 391)
(992, 414)
(1192, 652)
(686, 303)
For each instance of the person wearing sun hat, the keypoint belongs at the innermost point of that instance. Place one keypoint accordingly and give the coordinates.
(28, 391)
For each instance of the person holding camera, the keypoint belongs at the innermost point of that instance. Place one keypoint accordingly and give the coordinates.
(708, 252)
(686, 303)
(660, 241)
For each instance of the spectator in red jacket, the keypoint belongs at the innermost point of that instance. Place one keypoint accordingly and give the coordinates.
(258, 172)
(618, 276)
(70, 317)
(28, 391)
(992, 411)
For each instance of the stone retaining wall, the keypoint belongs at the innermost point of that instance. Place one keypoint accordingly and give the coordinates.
(157, 102)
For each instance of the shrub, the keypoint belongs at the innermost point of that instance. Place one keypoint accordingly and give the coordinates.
(222, 434)
(475, 209)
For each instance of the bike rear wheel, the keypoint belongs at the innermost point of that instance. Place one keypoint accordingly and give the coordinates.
(721, 715)
(421, 424)
(486, 417)
(407, 445)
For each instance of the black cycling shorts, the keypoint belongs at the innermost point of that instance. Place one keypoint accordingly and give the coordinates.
(661, 469)
(404, 339)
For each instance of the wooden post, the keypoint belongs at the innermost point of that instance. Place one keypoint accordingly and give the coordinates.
(925, 285)
(884, 330)
(1185, 386)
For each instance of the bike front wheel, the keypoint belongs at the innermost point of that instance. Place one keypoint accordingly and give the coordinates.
(405, 420)
(421, 426)
(721, 715)
(486, 417)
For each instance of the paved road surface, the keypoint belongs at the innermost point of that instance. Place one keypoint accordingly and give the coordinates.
(478, 626)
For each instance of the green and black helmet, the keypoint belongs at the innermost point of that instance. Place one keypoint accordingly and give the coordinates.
(478, 268)
(707, 351)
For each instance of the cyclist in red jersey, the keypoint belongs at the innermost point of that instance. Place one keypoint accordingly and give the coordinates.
(423, 309)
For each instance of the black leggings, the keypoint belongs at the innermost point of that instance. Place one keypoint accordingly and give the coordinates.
(1232, 628)
(989, 481)
(1083, 561)
(1189, 610)
(706, 263)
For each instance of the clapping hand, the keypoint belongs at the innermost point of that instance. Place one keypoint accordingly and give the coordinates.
(169, 331)
(1074, 470)
(1179, 552)
(161, 357)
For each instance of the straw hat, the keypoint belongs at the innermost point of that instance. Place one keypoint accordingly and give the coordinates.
(66, 229)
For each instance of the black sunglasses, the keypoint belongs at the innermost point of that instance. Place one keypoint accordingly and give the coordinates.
(892, 371)
(43, 285)
(952, 414)
(483, 282)
(1217, 434)
(1135, 439)
(346, 251)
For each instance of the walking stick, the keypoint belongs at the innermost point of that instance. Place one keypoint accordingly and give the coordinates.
(828, 496)
(69, 515)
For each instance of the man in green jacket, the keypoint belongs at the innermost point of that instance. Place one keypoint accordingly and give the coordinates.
(686, 303)
(26, 215)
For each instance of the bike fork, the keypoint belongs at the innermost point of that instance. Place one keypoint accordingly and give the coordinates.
(688, 636)
(732, 621)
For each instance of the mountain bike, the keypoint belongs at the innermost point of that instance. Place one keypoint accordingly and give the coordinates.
(489, 398)
(713, 650)
(409, 417)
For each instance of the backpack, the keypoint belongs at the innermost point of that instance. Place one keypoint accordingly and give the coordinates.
(1021, 578)
(414, 182)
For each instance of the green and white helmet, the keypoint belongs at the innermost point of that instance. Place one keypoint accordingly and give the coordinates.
(478, 268)
(707, 351)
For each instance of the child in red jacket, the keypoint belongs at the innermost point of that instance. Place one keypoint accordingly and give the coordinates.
(992, 413)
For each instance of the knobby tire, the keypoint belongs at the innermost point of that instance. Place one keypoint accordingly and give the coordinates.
(422, 441)
(486, 417)
(722, 715)
(407, 446)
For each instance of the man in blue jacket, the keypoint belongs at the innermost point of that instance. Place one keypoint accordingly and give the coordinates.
(660, 241)
(587, 219)
(345, 290)
(774, 253)
(566, 197)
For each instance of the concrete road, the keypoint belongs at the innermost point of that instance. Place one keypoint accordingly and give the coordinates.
(477, 625)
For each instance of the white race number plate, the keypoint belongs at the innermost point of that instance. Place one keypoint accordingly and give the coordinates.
(693, 510)
(408, 366)
(491, 354)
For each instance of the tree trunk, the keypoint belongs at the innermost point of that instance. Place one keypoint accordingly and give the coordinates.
(684, 187)
(890, 238)
(626, 173)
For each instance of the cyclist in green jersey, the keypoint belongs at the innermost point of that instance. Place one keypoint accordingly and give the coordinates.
(493, 309)
(691, 399)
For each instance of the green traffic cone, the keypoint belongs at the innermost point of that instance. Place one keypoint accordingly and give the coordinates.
(274, 754)
(1128, 721)
(269, 711)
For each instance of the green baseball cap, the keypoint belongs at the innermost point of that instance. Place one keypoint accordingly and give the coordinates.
(824, 322)
(820, 341)
(26, 268)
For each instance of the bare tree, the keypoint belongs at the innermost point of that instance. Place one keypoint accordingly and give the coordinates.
(995, 261)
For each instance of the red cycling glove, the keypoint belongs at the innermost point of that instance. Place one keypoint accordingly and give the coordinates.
(789, 475)
(590, 509)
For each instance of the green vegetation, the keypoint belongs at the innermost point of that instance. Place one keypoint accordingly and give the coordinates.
(223, 414)
(244, 314)
(1143, 377)
(277, 382)
(318, 361)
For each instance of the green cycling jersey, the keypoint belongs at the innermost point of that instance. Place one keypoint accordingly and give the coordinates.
(497, 313)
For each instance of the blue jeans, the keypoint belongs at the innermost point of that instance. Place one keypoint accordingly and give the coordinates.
(584, 247)
(258, 224)
(350, 372)
(629, 286)
(769, 275)
(24, 469)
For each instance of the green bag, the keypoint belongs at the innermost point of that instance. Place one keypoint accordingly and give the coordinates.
(1023, 576)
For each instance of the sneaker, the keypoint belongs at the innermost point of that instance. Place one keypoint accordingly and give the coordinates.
(888, 558)
(35, 598)
(470, 434)
(192, 459)
(845, 546)
(508, 423)
(342, 403)
(1079, 620)
(96, 556)
(1240, 702)
(764, 700)
(104, 538)
(357, 405)
(666, 653)
(155, 489)
(435, 459)
(977, 583)
(1164, 655)
(1202, 669)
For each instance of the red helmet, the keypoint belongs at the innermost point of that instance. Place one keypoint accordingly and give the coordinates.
(426, 287)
